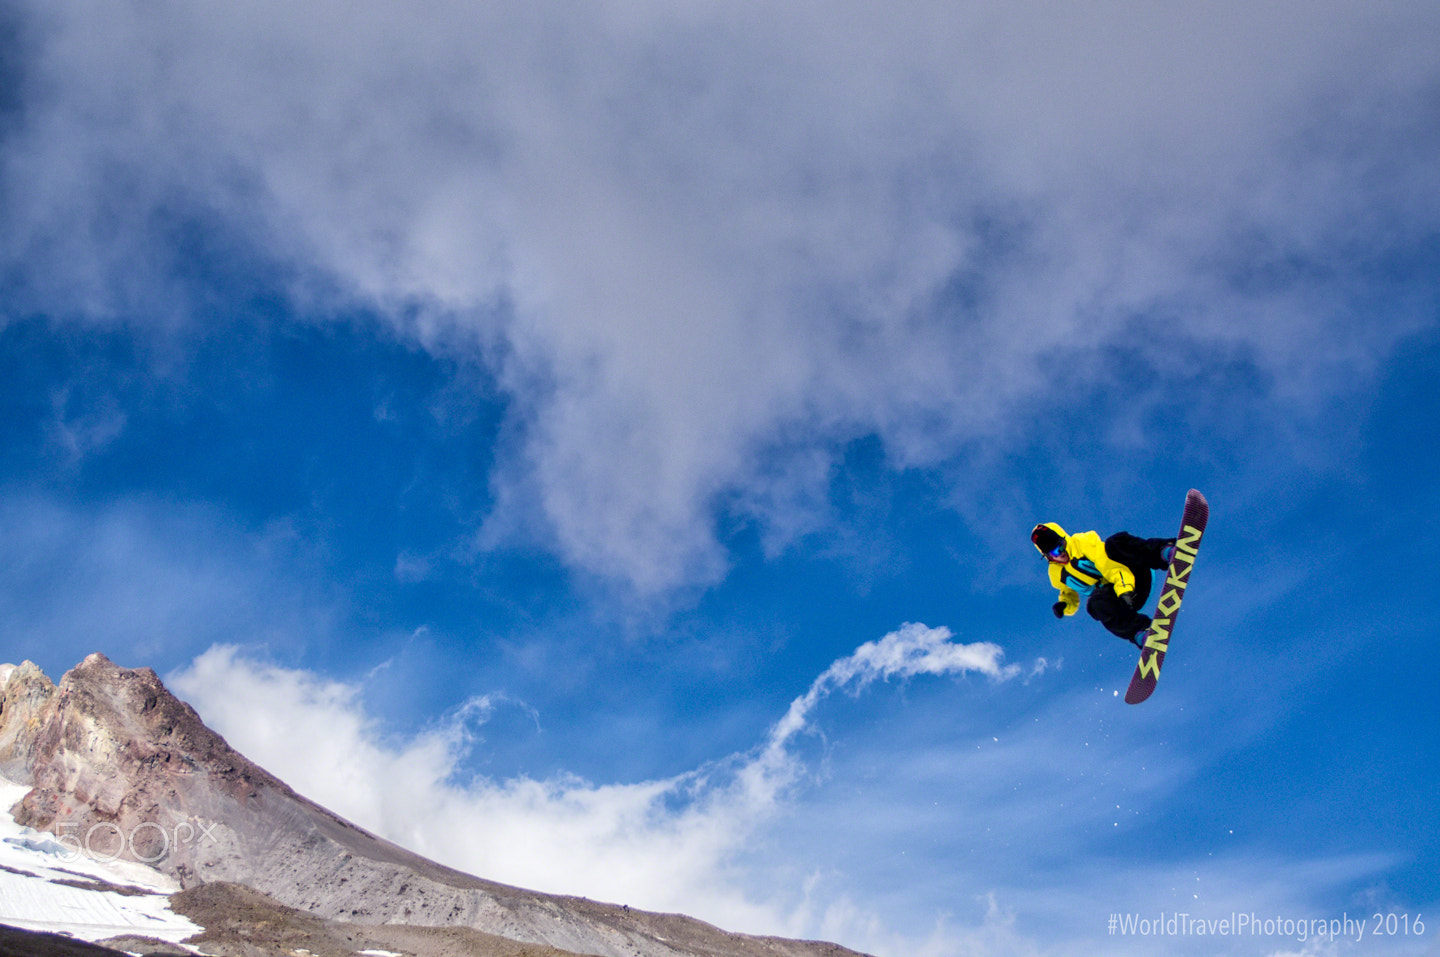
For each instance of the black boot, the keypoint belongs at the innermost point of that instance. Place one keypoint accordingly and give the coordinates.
(1138, 639)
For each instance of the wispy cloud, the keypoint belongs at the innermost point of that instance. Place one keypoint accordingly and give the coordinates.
(913, 650)
(697, 249)
(673, 844)
(148, 577)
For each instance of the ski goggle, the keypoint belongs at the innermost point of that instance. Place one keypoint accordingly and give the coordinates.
(1057, 554)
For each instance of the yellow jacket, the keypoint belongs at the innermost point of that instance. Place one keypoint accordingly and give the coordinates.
(1088, 569)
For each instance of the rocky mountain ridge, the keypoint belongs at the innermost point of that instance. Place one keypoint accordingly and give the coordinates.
(119, 765)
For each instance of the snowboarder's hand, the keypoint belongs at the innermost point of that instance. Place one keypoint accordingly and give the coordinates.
(1128, 598)
(1059, 609)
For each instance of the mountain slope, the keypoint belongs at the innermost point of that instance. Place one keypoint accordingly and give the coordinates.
(118, 764)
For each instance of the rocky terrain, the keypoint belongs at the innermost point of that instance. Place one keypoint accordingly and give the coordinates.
(110, 751)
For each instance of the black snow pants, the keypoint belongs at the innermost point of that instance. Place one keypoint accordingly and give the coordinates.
(1140, 555)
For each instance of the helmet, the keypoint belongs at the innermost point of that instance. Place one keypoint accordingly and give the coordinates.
(1047, 538)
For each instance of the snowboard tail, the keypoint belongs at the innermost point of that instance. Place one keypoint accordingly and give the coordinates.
(1177, 578)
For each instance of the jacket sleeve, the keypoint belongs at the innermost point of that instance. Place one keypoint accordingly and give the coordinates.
(1068, 595)
(1117, 574)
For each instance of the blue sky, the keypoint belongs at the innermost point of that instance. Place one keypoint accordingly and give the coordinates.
(597, 446)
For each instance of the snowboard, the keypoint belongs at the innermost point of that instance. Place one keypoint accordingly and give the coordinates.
(1177, 577)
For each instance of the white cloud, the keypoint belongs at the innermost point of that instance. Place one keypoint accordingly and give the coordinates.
(912, 650)
(697, 244)
(678, 844)
(980, 837)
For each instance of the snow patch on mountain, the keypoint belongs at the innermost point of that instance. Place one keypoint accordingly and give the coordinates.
(57, 886)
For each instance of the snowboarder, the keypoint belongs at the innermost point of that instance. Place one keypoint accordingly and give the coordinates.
(1113, 575)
